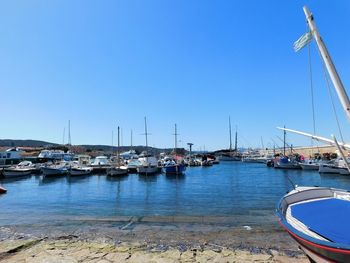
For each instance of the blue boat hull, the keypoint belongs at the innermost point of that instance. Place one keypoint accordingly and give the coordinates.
(174, 169)
(316, 249)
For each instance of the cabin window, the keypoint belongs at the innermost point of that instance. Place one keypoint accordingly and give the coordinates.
(8, 155)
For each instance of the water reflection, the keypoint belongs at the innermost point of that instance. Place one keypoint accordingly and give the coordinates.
(77, 179)
(118, 178)
(15, 179)
(51, 180)
(175, 177)
(148, 177)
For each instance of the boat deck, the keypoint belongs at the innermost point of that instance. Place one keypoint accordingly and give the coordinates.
(325, 219)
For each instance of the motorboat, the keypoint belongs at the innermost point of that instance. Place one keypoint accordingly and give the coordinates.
(100, 164)
(317, 218)
(117, 171)
(58, 169)
(80, 170)
(285, 162)
(56, 155)
(148, 164)
(132, 165)
(22, 169)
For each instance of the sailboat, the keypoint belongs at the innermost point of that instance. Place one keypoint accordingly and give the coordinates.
(287, 162)
(117, 170)
(318, 217)
(148, 163)
(171, 166)
(231, 155)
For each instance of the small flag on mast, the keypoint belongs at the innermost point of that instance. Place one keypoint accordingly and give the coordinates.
(302, 41)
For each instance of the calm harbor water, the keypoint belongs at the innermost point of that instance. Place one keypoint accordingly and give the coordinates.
(234, 193)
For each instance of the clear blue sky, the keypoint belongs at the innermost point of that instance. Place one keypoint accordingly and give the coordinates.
(194, 63)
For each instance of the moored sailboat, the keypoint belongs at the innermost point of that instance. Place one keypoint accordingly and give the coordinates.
(172, 166)
(117, 170)
(149, 164)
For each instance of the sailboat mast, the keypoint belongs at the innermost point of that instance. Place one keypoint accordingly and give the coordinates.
(284, 141)
(236, 140)
(69, 139)
(118, 147)
(175, 139)
(229, 123)
(339, 87)
(146, 133)
(131, 139)
(112, 141)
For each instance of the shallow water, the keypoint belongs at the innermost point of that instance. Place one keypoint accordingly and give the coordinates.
(229, 193)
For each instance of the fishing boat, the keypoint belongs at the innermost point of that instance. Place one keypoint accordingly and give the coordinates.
(149, 164)
(317, 217)
(117, 170)
(171, 166)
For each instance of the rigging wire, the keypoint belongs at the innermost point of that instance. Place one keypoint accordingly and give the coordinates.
(312, 99)
(331, 96)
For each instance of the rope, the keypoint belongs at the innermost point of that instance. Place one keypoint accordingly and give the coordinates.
(331, 96)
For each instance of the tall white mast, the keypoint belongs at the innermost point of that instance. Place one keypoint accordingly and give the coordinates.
(343, 97)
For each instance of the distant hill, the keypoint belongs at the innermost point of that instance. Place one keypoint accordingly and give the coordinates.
(24, 143)
(104, 148)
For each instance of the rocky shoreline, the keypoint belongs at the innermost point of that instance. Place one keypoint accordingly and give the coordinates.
(148, 244)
